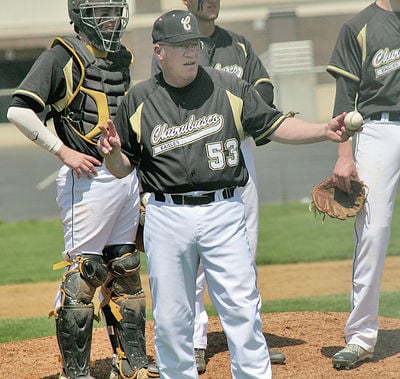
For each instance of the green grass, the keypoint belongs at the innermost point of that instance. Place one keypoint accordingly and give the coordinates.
(288, 234)
(335, 303)
(20, 329)
(29, 250)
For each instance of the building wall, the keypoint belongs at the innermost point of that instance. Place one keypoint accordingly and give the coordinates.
(27, 28)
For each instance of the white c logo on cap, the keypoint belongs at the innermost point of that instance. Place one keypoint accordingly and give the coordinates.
(186, 23)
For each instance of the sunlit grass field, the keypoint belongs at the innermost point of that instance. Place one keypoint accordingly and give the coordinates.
(288, 234)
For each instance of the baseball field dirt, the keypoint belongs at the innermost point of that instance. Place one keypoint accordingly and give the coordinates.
(308, 339)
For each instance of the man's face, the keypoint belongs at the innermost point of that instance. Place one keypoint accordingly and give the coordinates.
(180, 61)
(107, 19)
(203, 9)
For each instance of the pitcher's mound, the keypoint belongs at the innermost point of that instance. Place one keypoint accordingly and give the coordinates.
(308, 339)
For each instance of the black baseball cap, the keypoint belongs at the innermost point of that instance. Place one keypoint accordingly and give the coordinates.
(176, 26)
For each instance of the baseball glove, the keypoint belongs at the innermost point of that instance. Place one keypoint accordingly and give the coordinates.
(326, 199)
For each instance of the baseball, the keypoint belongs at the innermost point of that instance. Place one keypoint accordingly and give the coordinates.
(353, 120)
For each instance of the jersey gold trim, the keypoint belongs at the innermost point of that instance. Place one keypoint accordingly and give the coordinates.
(337, 70)
(135, 122)
(362, 40)
(237, 107)
(68, 70)
(243, 46)
(31, 95)
(62, 103)
(274, 126)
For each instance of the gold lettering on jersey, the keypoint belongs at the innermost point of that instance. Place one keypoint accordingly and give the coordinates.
(386, 61)
(166, 138)
(232, 69)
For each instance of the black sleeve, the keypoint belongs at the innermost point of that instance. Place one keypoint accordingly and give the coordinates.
(346, 93)
(266, 91)
(259, 119)
(21, 101)
(129, 144)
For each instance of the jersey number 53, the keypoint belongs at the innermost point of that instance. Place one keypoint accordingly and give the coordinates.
(221, 154)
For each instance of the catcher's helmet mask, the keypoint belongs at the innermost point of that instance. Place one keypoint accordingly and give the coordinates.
(85, 19)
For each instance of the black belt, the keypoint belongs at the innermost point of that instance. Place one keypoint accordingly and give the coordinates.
(203, 199)
(393, 116)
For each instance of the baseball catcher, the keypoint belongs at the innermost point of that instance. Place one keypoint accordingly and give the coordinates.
(326, 199)
(82, 80)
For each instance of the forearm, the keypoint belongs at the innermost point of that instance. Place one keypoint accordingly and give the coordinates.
(345, 150)
(118, 164)
(31, 126)
(295, 131)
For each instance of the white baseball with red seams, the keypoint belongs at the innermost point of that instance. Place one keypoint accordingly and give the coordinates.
(353, 120)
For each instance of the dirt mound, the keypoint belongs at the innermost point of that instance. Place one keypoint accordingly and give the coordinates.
(308, 339)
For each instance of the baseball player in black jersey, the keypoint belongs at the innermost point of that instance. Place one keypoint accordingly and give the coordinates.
(366, 65)
(82, 80)
(183, 128)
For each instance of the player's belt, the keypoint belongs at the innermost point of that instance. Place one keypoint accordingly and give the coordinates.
(388, 116)
(205, 198)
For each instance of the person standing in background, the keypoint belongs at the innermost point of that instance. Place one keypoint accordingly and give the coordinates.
(366, 66)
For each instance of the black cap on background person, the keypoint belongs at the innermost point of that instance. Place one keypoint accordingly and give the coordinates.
(176, 26)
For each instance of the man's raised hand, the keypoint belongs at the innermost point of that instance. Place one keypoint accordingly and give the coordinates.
(109, 142)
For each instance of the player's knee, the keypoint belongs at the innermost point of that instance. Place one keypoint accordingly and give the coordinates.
(80, 283)
(122, 260)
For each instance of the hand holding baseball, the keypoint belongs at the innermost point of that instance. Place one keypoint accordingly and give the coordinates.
(353, 121)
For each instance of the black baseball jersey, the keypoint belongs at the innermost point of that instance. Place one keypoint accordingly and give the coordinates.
(82, 90)
(188, 139)
(367, 56)
(232, 52)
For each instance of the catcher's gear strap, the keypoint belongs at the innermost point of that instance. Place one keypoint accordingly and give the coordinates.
(125, 265)
(81, 280)
(112, 252)
(74, 326)
(82, 55)
(130, 331)
(111, 323)
(96, 90)
(123, 262)
(326, 199)
(90, 265)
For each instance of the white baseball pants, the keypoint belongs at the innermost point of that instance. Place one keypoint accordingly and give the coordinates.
(176, 237)
(377, 154)
(249, 196)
